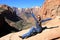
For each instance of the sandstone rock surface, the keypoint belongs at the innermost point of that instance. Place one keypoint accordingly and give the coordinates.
(50, 8)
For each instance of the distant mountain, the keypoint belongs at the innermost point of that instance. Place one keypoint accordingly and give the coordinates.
(25, 13)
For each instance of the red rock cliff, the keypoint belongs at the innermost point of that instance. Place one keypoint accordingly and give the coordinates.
(50, 8)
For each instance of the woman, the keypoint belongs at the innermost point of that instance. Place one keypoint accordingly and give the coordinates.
(35, 30)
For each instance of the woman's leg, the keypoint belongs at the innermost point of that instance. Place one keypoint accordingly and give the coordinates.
(31, 31)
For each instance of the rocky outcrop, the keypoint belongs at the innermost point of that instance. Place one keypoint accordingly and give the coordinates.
(7, 12)
(50, 8)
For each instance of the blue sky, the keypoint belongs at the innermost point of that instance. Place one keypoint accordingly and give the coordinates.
(22, 3)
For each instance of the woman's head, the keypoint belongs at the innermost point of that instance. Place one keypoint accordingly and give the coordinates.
(39, 17)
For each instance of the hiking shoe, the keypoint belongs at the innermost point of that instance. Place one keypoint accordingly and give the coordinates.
(44, 28)
(21, 37)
